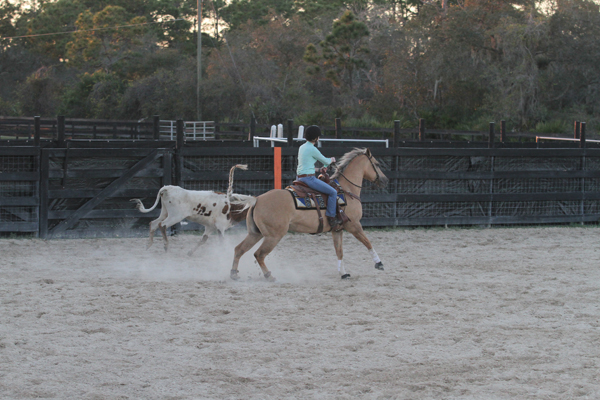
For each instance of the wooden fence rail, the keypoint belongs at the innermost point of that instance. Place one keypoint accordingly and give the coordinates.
(79, 192)
(81, 188)
(18, 131)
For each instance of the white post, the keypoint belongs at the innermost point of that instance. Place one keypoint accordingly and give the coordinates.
(301, 132)
(280, 131)
(273, 131)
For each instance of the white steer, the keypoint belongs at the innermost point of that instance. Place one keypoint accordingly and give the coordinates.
(214, 210)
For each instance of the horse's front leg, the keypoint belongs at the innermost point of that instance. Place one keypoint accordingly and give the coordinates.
(357, 231)
(337, 244)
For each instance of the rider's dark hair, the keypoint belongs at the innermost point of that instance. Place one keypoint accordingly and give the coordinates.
(312, 132)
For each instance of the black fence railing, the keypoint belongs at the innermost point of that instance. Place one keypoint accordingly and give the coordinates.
(83, 189)
(23, 131)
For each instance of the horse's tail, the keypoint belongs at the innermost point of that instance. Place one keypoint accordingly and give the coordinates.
(140, 205)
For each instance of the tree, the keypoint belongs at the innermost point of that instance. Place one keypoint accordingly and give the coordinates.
(8, 12)
(569, 67)
(238, 12)
(39, 93)
(259, 71)
(100, 43)
(341, 53)
(168, 92)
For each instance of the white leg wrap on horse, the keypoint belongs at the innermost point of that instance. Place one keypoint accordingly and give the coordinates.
(374, 255)
(341, 268)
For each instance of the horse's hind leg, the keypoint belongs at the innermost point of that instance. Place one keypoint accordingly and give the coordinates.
(357, 231)
(263, 251)
(337, 243)
(241, 249)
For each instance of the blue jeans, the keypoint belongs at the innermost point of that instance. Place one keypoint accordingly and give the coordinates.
(317, 184)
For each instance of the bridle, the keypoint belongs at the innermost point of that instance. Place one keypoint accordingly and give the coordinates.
(377, 179)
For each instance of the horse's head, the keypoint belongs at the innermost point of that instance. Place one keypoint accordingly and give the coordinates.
(374, 174)
(359, 168)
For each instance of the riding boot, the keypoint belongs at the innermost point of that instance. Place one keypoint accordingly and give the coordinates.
(334, 223)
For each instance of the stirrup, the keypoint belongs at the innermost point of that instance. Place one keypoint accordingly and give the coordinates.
(334, 223)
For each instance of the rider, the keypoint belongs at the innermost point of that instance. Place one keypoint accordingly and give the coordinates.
(308, 154)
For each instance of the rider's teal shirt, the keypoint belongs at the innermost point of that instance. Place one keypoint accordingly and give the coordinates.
(308, 154)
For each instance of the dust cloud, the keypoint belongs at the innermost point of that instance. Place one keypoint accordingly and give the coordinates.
(458, 313)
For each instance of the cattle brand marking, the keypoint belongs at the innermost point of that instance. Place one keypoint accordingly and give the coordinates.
(201, 210)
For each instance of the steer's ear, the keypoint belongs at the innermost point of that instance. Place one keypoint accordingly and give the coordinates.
(368, 153)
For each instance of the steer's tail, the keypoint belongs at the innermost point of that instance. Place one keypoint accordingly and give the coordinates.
(244, 200)
(140, 205)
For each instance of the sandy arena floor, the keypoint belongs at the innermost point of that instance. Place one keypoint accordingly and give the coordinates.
(457, 314)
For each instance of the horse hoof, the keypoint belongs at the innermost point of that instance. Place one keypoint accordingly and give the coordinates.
(234, 275)
(345, 276)
(379, 266)
(269, 277)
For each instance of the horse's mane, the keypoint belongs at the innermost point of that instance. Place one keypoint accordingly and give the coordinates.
(345, 160)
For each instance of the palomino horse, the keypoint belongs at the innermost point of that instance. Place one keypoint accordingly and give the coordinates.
(273, 214)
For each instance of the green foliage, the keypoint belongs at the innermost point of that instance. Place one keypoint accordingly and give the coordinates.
(9, 108)
(368, 121)
(239, 12)
(169, 93)
(8, 11)
(481, 123)
(38, 94)
(340, 55)
(94, 96)
(99, 45)
(369, 62)
(311, 9)
(59, 16)
(553, 126)
(313, 118)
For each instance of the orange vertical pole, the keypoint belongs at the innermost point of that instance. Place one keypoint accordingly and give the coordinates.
(277, 166)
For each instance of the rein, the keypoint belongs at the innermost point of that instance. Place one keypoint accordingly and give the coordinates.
(374, 169)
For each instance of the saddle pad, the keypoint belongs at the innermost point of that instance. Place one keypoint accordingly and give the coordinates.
(306, 203)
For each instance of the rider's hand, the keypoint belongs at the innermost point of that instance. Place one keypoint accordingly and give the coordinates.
(332, 160)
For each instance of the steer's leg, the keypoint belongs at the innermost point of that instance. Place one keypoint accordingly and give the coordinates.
(173, 217)
(155, 224)
(163, 230)
(208, 230)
